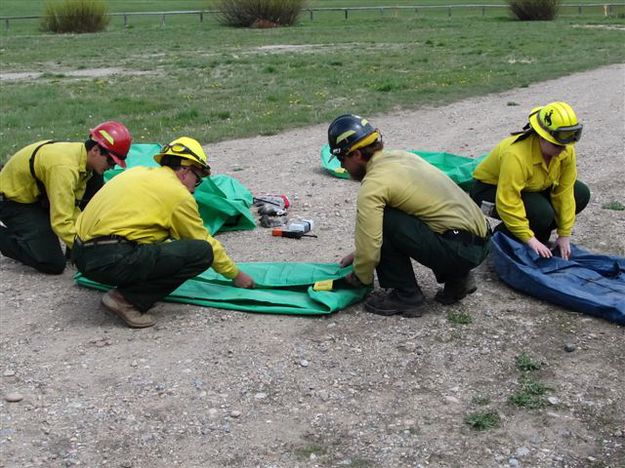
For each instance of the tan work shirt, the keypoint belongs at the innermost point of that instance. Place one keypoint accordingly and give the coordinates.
(62, 168)
(518, 167)
(148, 205)
(404, 181)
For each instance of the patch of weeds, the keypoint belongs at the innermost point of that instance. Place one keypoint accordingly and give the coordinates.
(483, 420)
(480, 400)
(526, 364)
(530, 395)
(305, 452)
(512, 103)
(459, 318)
(613, 205)
(361, 463)
(270, 69)
(336, 63)
(223, 115)
(385, 87)
(53, 75)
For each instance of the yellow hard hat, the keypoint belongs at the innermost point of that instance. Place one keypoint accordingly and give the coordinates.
(557, 123)
(189, 150)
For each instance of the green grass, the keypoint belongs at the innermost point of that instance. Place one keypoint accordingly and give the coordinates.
(483, 420)
(459, 318)
(216, 83)
(613, 205)
(529, 395)
(525, 363)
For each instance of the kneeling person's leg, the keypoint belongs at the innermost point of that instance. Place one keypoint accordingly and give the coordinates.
(171, 264)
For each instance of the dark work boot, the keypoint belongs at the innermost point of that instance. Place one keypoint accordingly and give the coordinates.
(455, 289)
(408, 304)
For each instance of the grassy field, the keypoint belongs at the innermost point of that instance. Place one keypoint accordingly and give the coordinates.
(216, 83)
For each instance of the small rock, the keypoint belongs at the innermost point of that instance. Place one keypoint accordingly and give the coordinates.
(451, 399)
(569, 347)
(522, 452)
(235, 414)
(260, 396)
(553, 400)
(513, 462)
(9, 373)
(13, 397)
(303, 363)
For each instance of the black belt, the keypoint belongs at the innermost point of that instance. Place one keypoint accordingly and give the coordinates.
(466, 237)
(102, 240)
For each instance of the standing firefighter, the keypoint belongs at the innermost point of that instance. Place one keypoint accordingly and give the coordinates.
(43, 188)
(142, 232)
(531, 177)
(406, 209)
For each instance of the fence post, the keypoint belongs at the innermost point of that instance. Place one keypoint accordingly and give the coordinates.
(125, 21)
(311, 15)
(449, 12)
(483, 10)
(201, 16)
(162, 20)
(346, 10)
(6, 22)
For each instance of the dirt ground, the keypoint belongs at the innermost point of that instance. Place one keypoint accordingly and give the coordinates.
(215, 388)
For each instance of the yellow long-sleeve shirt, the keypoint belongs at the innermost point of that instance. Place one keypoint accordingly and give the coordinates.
(62, 168)
(148, 205)
(517, 167)
(401, 180)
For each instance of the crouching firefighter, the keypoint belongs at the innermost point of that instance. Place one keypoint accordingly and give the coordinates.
(142, 232)
(43, 188)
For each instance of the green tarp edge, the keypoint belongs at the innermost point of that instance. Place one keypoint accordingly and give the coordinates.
(281, 288)
(458, 168)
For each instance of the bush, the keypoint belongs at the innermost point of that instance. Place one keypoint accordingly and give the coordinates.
(75, 16)
(259, 13)
(534, 10)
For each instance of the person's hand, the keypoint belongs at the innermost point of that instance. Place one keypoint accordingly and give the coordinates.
(540, 248)
(243, 280)
(347, 260)
(353, 280)
(564, 244)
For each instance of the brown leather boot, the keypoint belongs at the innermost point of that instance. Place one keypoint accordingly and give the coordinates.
(116, 303)
(456, 289)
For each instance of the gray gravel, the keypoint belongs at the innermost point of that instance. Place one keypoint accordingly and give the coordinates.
(208, 387)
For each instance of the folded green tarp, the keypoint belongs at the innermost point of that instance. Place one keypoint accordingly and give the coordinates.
(458, 168)
(223, 201)
(281, 288)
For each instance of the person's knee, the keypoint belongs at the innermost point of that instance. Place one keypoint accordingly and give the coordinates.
(202, 253)
(582, 196)
(52, 267)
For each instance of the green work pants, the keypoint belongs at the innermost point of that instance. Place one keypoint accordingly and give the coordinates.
(538, 208)
(28, 237)
(143, 273)
(406, 237)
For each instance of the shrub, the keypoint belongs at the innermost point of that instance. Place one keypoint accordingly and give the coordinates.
(534, 10)
(259, 13)
(75, 16)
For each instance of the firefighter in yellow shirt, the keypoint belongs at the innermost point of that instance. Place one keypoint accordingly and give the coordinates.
(142, 232)
(406, 209)
(531, 178)
(44, 186)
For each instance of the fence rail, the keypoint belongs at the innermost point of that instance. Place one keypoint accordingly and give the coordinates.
(608, 10)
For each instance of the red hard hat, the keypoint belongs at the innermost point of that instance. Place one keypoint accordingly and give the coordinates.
(115, 138)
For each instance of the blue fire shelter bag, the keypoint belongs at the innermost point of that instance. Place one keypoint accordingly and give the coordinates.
(589, 283)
